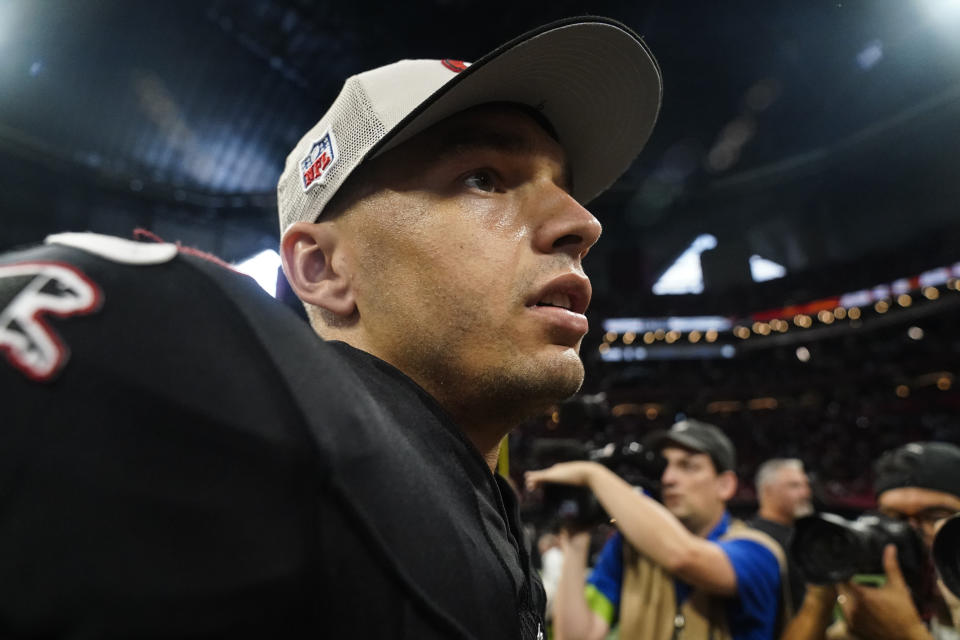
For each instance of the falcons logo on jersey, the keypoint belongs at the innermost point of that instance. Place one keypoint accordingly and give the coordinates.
(29, 291)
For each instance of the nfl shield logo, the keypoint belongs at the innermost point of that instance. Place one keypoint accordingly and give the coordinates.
(319, 161)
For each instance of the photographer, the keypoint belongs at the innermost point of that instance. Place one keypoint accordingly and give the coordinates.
(682, 569)
(918, 483)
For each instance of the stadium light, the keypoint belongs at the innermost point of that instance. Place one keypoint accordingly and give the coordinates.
(263, 268)
(943, 10)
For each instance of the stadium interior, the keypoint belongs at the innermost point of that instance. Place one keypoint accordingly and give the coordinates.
(782, 260)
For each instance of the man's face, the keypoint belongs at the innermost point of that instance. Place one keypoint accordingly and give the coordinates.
(922, 508)
(467, 263)
(692, 489)
(789, 492)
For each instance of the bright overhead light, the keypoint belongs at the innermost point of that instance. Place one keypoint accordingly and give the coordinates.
(870, 55)
(685, 275)
(762, 269)
(262, 268)
(943, 10)
(7, 21)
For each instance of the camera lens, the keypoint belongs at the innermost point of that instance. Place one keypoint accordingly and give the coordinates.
(825, 551)
(828, 548)
(946, 554)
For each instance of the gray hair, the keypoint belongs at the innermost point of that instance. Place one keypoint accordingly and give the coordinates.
(770, 468)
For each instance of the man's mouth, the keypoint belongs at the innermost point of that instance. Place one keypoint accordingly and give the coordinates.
(560, 304)
(556, 299)
(570, 292)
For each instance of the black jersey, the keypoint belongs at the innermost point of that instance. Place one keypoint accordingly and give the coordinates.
(181, 456)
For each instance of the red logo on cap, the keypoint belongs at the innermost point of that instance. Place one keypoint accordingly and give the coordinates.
(454, 65)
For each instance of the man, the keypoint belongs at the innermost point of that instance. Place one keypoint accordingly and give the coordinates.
(783, 492)
(682, 569)
(182, 457)
(918, 483)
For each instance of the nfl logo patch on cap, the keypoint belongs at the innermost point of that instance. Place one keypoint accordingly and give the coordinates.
(319, 160)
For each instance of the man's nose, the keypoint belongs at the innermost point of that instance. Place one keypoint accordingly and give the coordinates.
(668, 477)
(566, 225)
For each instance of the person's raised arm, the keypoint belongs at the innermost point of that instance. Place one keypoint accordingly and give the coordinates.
(648, 526)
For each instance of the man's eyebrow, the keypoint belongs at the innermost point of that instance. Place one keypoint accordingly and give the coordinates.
(467, 139)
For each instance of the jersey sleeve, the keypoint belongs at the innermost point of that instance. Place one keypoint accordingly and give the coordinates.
(758, 576)
(154, 476)
(603, 585)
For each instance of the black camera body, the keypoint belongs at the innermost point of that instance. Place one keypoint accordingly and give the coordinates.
(828, 548)
(576, 508)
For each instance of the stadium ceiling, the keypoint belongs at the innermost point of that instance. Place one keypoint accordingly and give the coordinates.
(819, 136)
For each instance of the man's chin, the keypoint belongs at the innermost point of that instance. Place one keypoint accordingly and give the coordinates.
(544, 381)
(803, 510)
(674, 506)
(564, 373)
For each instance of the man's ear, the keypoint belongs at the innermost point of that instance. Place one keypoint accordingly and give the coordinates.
(313, 263)
(727, 485)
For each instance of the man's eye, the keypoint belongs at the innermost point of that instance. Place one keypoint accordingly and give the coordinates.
(483, 180)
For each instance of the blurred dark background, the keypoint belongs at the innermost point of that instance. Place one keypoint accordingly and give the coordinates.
(815, 141)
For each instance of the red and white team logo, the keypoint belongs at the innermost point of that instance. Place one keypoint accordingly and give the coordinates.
(319, 161)
(28, 292)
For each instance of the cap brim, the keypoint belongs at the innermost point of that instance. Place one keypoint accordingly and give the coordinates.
(659, 439)
(593, 78)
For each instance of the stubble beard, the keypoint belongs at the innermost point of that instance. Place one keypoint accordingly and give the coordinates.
(507, 392)
(802, 510)
(508, 387)
(478, 374)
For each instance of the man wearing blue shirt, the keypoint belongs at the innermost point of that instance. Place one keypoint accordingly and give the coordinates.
(683, 569)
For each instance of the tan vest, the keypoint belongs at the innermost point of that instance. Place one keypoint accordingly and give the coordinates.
(648, 604)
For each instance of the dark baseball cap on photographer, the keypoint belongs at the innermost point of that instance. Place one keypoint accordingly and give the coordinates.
(926, 465)
(700, 437)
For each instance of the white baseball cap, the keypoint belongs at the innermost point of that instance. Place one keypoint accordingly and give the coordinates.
(592, 78)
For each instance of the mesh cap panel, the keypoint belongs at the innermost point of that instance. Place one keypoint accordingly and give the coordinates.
(356, 128)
